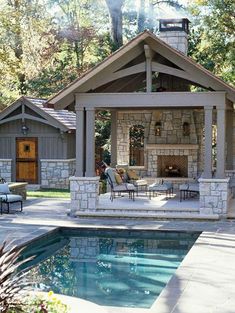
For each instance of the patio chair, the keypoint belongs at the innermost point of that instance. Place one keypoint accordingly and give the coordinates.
(117, 185)
(187, 190)
(6, 197)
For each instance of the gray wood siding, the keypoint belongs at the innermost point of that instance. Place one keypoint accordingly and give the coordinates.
(6, 148)
(51, 148)
(71, 146)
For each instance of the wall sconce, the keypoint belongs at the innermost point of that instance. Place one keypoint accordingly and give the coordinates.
(24, 129)
(186, 129)
(61, 134)
(158, 128)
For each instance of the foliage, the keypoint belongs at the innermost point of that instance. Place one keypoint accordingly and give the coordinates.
(12, 280)
(48, 303)
(212, 37)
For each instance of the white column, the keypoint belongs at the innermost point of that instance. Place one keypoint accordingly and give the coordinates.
(80, 141)
(221, 126)
(208, 142)
(90, 142)
(113, 138)
(229, 139)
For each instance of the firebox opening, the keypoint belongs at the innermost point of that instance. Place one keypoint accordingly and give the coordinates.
(172, 166)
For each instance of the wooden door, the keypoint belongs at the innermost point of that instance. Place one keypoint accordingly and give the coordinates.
(27, 160)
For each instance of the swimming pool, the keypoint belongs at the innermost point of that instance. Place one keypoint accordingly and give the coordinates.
(111, 268)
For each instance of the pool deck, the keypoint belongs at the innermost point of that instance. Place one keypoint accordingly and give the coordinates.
(204, 282)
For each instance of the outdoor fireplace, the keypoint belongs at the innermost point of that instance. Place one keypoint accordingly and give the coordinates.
(172, 166)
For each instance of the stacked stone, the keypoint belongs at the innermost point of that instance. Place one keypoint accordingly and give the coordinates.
(5, 169)
(215, 195)
(124, 122)
(56, 173)
(153, 154)
(84, 194)
(176, 39)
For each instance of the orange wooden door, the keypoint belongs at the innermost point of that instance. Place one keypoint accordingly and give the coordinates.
(27, 160)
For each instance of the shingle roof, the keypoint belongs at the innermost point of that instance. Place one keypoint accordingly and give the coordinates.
(65, 117)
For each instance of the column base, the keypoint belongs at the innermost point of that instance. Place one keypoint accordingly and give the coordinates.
(84, 194)
(215, 195)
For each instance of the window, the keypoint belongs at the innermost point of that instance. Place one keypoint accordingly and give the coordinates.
(136, 145)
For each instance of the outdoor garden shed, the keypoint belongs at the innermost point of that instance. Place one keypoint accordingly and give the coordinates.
(37, 143)
(183, 109)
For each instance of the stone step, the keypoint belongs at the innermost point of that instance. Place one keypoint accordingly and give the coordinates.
(148, 210)
(156, 215)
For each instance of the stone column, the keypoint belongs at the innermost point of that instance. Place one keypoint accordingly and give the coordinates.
(90, 142)
(80, 141)
(229, 139)
(84, 194)
(113, 138)
(221, 126)
(208, 143)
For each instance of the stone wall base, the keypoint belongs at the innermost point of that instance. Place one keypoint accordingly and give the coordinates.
(215, 195)
(56, 173)
(5, 169)
(84, 194)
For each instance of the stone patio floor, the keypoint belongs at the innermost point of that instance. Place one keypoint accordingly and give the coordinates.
(204, 282)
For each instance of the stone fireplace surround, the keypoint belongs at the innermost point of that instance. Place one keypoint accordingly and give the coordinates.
(155, 150)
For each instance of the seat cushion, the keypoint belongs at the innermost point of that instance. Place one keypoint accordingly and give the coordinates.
(124, 187)
(11, 198)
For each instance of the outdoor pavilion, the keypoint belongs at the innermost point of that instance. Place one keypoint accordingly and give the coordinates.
(127, 81)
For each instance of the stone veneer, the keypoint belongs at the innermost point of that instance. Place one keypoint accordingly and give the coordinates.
(171, 134)
(5, 169)
(188, 150)
(84, 194)
(56, 173)
(215, 195)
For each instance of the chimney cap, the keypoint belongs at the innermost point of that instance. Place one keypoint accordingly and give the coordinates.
(174, 24)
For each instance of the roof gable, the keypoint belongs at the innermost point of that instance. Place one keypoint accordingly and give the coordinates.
(116, 66)
(33, 109)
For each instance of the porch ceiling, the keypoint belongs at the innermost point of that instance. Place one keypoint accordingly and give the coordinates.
(151, 100)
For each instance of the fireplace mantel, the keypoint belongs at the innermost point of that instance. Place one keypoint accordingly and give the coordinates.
(180, 146)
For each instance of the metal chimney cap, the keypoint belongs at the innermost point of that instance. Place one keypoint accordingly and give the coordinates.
(174, 24)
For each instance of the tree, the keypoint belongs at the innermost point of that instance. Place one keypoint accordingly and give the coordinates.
(25, 39)
(212, 37)
(115, 13)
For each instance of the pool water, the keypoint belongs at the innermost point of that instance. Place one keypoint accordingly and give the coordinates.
(124, 268)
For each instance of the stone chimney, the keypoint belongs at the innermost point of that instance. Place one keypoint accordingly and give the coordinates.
(175, 33)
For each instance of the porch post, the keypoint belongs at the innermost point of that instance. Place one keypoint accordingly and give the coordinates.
(90, 142)
(113, 138)
(229, 137)
(79, 141)
(208, 142)
(221, 126)
(148, 56)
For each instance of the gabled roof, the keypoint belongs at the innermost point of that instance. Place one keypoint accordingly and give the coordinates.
(195, 71)
(62, 119)
(65, 117)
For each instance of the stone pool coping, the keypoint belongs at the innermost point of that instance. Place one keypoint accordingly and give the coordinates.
(204, 282)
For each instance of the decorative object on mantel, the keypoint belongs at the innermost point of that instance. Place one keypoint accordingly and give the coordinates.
(158, 128)
(186, 129)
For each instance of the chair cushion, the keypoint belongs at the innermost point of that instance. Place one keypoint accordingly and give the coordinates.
(11, 198)
(132, 174)
(118, 179)
(4, 188)
(124, 187)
